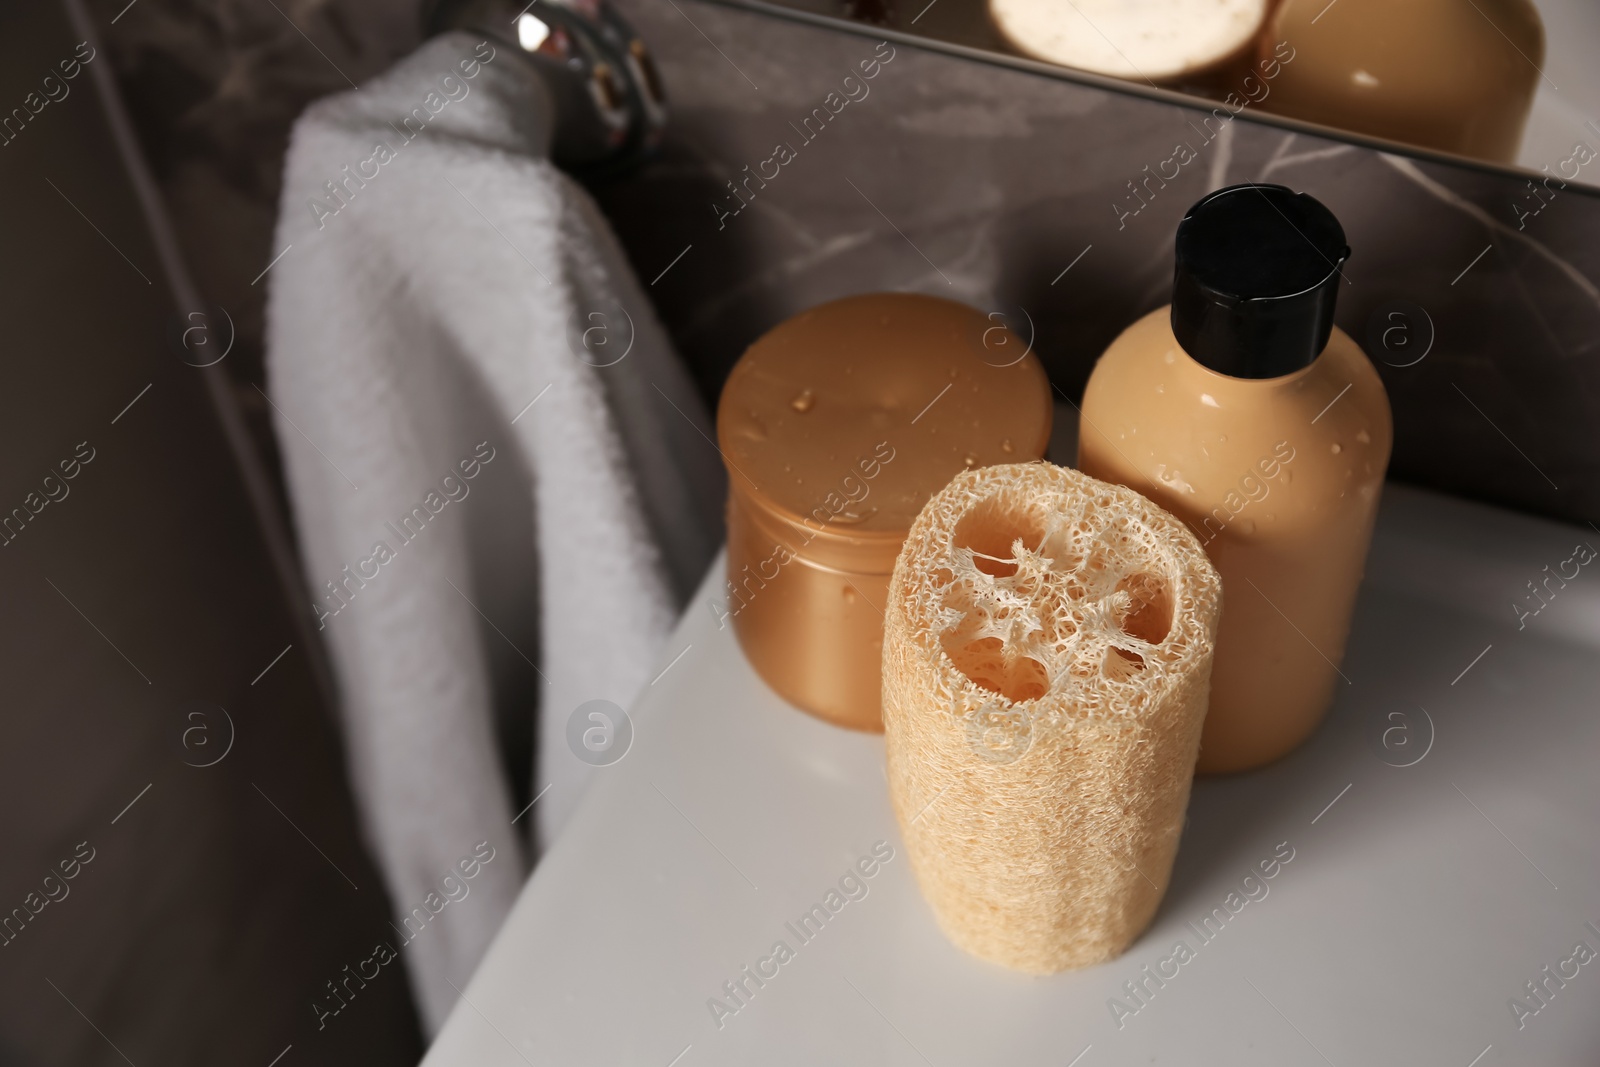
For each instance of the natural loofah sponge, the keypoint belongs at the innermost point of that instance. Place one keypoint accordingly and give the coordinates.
(1047, 659)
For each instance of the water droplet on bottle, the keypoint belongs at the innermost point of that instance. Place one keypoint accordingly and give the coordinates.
(1247, 526)
(849, 594)
(1288, 476)
(804, 402)
(1223, 438)
(1337, 448)
(954, 373)
(1007, 447)
(1364, 437)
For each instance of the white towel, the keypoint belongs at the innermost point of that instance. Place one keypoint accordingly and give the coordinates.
(437, 275)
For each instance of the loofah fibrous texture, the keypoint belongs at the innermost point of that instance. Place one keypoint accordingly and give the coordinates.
(1047, 661)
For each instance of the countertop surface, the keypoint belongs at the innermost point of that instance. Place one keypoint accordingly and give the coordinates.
(1435, 845)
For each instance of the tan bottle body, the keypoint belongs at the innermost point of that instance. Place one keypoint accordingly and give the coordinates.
(1446, 74)
(1280, 480)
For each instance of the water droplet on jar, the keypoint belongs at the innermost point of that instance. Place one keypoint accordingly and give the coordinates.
(1247, 526)
(804, 402)
(1172, 479)
(849, 594)
(1364, 437)
(1007, 447)
(1288, 476)
(970, 460)
(1223, 438)
(1337, 448)
(954, 373)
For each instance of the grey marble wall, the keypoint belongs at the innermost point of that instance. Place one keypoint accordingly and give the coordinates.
(1010, 190)
(213, 87)
(953, 176)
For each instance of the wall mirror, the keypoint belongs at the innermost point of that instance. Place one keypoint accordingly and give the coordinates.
(1507, 84)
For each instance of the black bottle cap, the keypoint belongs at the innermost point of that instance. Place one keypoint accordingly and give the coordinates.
(1256, 280)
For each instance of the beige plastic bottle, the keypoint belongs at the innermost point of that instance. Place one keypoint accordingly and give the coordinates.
(1242, 410)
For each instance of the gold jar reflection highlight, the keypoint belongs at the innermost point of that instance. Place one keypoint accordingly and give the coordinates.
(837, 426)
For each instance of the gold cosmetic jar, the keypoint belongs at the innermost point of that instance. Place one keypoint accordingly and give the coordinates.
(837, 426)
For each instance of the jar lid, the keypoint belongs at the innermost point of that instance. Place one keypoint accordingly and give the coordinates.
(1257, 275)
(841, 422)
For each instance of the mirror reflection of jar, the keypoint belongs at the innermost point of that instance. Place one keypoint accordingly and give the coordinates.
(1453, 75)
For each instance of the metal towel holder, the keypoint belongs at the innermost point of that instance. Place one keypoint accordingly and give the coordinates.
(609, 105)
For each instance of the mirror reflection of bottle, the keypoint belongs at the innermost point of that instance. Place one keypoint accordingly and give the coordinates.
(1244, 411)
(1454, 75)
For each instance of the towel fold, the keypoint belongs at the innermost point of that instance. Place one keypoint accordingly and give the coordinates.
(501, 476)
